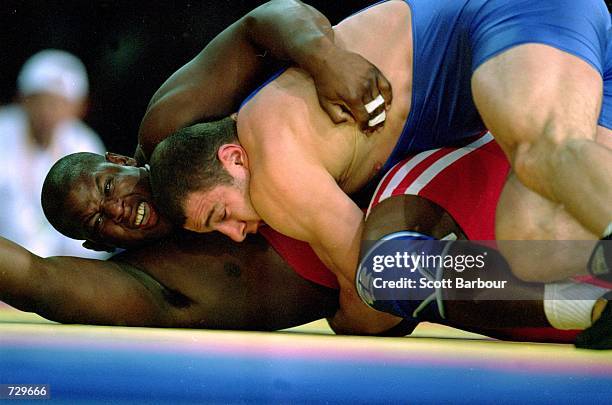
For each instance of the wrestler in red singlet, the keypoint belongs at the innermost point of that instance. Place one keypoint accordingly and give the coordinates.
(465, 181)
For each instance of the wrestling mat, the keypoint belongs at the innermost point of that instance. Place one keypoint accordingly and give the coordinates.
(95, 364)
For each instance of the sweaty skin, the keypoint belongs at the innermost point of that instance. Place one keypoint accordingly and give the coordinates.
(111, 206)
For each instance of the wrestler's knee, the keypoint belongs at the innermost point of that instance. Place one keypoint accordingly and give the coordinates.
(537, 160)
(404, 289)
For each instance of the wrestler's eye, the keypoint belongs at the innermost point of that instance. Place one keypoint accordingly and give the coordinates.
(221, 215)
(98, 223)
(107, 186)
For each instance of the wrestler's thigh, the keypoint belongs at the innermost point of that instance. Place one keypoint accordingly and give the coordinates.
(525, 215)
(534, 92)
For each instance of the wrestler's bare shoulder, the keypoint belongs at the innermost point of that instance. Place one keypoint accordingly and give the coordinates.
(283, 125)
(389, 14)
(382, 34)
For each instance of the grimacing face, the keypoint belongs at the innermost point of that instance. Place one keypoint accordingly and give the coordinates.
(112, 205)
(225, 208)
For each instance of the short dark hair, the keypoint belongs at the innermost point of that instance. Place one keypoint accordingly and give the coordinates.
(186, 162)
(57, 186)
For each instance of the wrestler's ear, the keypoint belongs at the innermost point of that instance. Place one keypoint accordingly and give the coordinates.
(120, 159)
(232, 154)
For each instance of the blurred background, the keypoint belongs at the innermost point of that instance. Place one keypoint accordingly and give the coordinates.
(128, 47)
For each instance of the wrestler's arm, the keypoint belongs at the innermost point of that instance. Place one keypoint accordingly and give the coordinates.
(216, 81)
(76, 290)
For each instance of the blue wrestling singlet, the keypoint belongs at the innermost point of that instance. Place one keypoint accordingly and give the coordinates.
(452, 38)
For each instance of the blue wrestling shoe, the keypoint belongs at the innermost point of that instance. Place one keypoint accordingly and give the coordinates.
(599, 335)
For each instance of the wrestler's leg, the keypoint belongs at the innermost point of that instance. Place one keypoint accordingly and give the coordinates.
(551, 245)
(519, 304)
(525, 215)
(544, 116)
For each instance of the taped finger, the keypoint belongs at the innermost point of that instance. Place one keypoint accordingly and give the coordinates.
(378, 119)
(374, 104)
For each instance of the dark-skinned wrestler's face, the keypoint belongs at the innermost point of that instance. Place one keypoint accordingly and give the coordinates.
(112, 205)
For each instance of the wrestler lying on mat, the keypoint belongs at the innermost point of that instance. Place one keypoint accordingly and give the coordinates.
(207, 281)
(286, 134)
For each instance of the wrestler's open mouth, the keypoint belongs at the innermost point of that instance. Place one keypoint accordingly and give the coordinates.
(143, 214)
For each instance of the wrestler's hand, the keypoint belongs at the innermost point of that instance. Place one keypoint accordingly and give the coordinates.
(345, 83)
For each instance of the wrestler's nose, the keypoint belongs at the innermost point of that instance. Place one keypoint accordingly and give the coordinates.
(113, 209)
(234, 229)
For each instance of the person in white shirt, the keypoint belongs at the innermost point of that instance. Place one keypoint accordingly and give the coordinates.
(41, 127)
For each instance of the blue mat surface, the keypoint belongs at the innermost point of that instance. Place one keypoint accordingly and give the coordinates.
(139, 365)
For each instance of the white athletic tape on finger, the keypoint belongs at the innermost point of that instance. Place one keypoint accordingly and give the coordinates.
(374, 104)
(378, 119)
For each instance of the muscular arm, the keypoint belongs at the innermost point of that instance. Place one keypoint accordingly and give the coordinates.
(75, 290)
(215, 82)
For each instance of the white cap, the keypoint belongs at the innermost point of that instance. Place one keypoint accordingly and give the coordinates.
(54, 71)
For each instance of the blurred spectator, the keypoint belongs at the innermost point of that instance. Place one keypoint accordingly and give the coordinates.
(41, 127)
